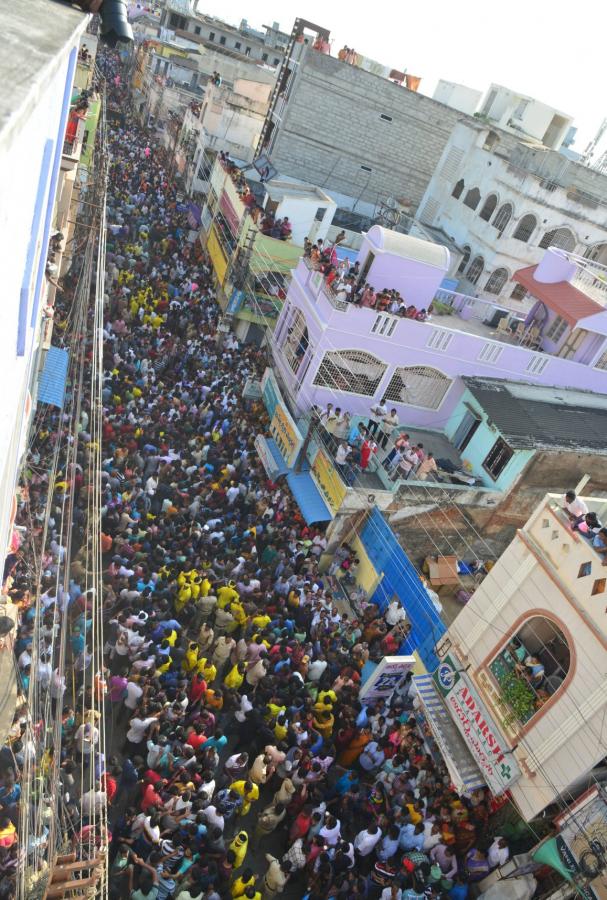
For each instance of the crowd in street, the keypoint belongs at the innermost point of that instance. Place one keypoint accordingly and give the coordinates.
(241, 760)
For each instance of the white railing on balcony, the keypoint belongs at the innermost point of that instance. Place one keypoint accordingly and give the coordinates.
(467, 307)
(590, 276)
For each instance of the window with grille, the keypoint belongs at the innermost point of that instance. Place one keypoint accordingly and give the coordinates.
(475, 269)
(498, 458)
(541, 648)
(457, 190)
(557, 329)
(490, 353)
(352, 371)
(496, 281)
(384, 325)
(472, 198)
(502, 217)
(525, 228)
(488, 207)
(558, 237)
(296, 341)
(420, 386)
(518, 293)
(602, 361)
(537, 364)
(439, 339)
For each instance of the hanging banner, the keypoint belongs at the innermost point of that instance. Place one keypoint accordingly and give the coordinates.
(218, 257)
(489, 749)
(328, 481)
(270, 392)
(388, 675)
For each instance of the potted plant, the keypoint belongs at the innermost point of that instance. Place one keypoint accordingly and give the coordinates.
(518, 696)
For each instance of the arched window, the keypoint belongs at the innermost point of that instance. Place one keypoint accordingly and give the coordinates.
(353, 371)
(475, 269)
(525, 228)
(472, 198)
(502, 217)
(488, 207)
(531, 667)
(457, 190)
(418, 386)
(496, 281)
(465, 258)
(597, 253)
(559, 237)
(296, 341)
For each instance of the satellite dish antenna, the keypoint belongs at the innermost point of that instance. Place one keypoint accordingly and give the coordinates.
(391, 203)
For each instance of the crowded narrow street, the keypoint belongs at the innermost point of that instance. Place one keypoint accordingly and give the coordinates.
(239, 760)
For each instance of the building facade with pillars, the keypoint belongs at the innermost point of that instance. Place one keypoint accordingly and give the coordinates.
(505, 200)
(36, 182)
(531, 646)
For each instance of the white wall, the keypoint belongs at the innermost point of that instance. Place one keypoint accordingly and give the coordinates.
(539, 574)
(534, 120)
(31, 138)
(301, 213)
(464, 157)
(457, 96)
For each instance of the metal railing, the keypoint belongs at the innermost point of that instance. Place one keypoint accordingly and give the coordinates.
(590, 276)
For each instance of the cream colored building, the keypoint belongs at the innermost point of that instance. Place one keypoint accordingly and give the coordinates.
(545, 598)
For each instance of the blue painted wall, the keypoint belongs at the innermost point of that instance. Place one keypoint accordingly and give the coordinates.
(482, 441)
(401, 578)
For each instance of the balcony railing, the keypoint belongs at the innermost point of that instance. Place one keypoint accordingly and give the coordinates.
(590, 276)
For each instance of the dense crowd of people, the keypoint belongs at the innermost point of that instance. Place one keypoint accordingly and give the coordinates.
(241, 759)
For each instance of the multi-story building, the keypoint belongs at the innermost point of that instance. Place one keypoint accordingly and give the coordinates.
(522, 665)
(37, 177)
(504, 204)
(252, 269)
(181, 22)
(356, 134)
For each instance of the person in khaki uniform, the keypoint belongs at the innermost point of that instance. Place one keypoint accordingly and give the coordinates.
(269, 819)
(276, 877)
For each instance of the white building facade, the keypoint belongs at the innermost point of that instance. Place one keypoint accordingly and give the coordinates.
(531, 646)
(504, 204)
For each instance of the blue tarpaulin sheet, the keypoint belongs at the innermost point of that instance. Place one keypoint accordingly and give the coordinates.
(277, 455)
(313, 507)
(53, 377)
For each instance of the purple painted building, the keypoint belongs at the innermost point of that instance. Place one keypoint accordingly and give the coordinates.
(328, 350)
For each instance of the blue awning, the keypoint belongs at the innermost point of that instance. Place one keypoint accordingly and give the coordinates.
(277, 456)
(308, 497)
(51, 388)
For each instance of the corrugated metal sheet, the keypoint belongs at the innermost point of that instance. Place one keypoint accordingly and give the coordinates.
(277, 456)
(313, 507)
(51, 388)
(401, 579)
(463, 770)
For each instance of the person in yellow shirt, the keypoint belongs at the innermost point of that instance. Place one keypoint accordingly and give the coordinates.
(261, 621)
(225, 594)
(249, 792)
(235, 676)
(240, 616)
(323, 722)
(239, 886)
(281, 728)
(205, 667)
(273, 710)
(239, 847)
(191, 657)
(184, 596)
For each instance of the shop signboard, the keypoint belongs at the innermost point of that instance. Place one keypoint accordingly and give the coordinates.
(489, 749)
(328, 481)
(270, 392)
(384, 680)
(235, 302)
(286, 434)
(252, 389)
(265, 457)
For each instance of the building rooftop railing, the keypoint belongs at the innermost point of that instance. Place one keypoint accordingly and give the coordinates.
(590, 276)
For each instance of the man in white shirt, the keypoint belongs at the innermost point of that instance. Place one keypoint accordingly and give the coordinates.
(93, 801)
(394, 614)
(377, 414)
(316, 669)
(575, 508)
(137, 730)
(498, 853)
(388, 424)
(133, 694)
(365, 840)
